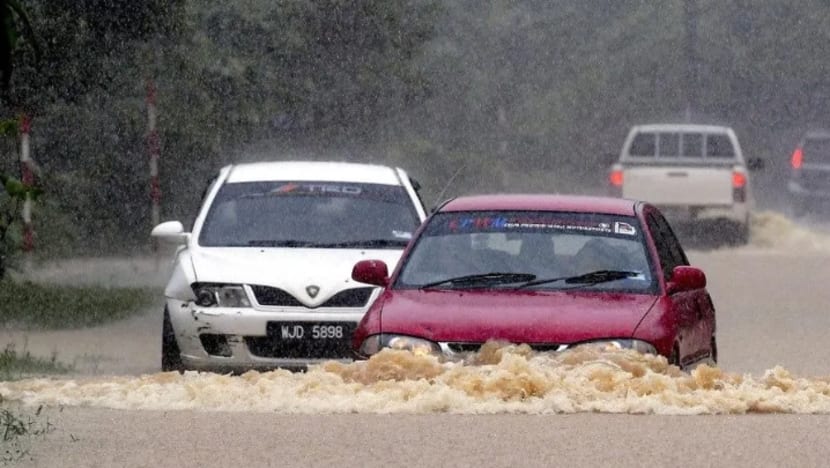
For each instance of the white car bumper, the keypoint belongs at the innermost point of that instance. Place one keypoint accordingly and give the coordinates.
(216, 338)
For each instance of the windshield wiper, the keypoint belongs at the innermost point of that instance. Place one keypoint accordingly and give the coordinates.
(594, 277)
(368, 243)
(483, 279)
(281, 243)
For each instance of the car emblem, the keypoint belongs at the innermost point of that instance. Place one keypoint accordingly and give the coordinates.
(312, 290)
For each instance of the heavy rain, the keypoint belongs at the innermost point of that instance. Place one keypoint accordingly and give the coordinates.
(118, 116)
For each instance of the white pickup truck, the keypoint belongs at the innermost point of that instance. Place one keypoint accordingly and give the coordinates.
(693, 173)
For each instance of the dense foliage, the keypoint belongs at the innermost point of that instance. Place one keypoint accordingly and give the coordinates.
(500, 95)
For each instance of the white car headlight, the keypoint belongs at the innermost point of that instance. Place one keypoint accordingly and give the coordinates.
(420, 346)
(636, 345)
(220, 295)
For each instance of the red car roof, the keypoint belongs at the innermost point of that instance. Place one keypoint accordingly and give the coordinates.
(520, 202)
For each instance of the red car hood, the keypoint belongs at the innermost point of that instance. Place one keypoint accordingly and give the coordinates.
(520, 317)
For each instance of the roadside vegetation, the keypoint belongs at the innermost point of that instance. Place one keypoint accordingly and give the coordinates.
(28, 305)
(15, 365)
(17, 427)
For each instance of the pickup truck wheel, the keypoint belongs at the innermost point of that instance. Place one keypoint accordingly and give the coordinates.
(740, 235)
(171, 358)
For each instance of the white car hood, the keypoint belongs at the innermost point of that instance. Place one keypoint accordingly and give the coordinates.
(290, 269)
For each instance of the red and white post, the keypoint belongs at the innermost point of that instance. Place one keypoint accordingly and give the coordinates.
(27, 171)
(154, 149)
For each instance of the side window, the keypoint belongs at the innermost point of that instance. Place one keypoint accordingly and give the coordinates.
(669, 145)
(668, 247)
(671, 240)
(692, 145)
(643, 144)
(719, 146)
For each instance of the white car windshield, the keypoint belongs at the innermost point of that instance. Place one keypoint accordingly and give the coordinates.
(529, 249)
(309, 214)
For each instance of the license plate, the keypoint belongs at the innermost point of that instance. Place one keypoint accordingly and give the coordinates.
(315, 331)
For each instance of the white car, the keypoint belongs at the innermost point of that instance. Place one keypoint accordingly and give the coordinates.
(264, 278)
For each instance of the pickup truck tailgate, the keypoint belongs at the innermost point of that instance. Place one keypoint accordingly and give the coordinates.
(679, 185)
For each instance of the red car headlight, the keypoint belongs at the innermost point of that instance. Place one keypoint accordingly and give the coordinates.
(637, 345)
(374, 343)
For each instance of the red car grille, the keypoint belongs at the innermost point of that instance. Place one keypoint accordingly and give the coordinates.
(460, 347)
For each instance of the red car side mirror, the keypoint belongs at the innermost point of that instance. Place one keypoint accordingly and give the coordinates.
(686, 278)
(371, 272)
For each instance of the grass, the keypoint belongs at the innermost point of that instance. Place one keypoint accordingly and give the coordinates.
(18, 426)
(28, 305)
(14, 365)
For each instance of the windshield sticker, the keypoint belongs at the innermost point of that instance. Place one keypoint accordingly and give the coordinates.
(485, 223)
(624, 228)
(402, 234)
(316, 188)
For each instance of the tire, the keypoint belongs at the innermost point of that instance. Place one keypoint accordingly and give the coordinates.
(731, 233)
(740, 235)
(674, 357)
(713, 350)
(171, 357)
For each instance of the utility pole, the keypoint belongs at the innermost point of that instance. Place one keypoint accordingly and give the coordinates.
(692, 66)
(154, 150)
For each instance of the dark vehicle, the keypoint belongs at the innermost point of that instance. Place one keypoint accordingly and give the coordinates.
(809, 183)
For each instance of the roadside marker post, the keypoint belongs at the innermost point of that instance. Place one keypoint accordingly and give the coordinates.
(27, 171)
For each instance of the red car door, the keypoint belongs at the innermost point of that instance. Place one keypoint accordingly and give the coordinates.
(693, 332)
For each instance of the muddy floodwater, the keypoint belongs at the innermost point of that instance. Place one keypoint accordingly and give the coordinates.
(498, 379)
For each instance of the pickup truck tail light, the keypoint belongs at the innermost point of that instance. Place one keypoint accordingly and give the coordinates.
(797, 158)
(738, 186)
(615, 178)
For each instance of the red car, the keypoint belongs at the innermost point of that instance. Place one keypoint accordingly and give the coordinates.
(550, 271)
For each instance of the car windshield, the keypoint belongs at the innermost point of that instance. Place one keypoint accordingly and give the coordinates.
(817, 150)
(529, 250)
(309, 214)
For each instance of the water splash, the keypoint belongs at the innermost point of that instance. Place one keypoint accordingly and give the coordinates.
(773, 230)
(498, 379)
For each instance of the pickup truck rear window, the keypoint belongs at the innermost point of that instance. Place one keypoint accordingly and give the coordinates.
(670, 145)
(719, 146)
(644, 144)
(692, 145)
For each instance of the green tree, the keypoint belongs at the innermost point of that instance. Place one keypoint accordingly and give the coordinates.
(14, 21)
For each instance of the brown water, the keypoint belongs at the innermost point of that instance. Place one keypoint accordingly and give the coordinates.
(773, 231)
(499, 379)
